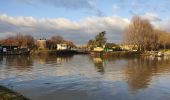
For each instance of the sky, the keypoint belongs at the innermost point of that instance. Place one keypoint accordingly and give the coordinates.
(79, 20)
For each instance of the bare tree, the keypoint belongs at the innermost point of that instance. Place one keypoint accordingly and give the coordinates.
(139, 32)
(57, 39)
(29, 41)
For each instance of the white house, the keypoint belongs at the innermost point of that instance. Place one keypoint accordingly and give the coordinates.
(63, 47)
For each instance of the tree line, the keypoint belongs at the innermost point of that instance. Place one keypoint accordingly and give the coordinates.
(30, 42)
(141, 33)
(18, 40)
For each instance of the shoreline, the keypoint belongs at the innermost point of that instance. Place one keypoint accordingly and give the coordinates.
(8, 94)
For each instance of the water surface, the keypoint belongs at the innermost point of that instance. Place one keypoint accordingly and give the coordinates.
(82, 77)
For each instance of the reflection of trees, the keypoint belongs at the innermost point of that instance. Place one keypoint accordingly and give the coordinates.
(99, 64)
(20, 62)
(25, 62)
(139, 71)
(44, 59)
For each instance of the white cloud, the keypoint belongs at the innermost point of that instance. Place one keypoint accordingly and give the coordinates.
(79, 32)
(151, 16)
(163, 25)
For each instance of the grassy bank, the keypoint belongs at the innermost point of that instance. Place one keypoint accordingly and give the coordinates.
(6, 94)
(118, 54)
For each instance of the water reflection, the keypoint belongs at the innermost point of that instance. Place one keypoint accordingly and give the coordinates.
(99, 64)
(17, 62)
(45, 59)
(139, 71)
(94, 78)
(28, 66)
(21, 62)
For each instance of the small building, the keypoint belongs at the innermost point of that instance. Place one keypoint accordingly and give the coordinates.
(98, 49)
(63, 47)
(41, 43)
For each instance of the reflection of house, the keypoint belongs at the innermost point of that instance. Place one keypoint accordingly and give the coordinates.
(129, 47)
(41, 43)
(63, 47)
(99, 64)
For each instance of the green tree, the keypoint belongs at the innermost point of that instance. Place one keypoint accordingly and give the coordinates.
(100, 39)
(91, 44)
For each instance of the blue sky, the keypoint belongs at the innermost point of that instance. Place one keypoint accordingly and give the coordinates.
(78, 20)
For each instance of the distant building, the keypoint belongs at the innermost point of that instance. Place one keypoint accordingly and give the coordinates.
(63, 47)
(98, 49)
(41, 43)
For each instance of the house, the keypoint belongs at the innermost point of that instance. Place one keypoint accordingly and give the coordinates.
(98, 49)
(63, 47)
(41, 43)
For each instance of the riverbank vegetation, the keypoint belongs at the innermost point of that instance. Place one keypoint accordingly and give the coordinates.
(30, 42)
(139, 37)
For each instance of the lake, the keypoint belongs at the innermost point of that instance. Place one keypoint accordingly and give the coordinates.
(83, 77)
